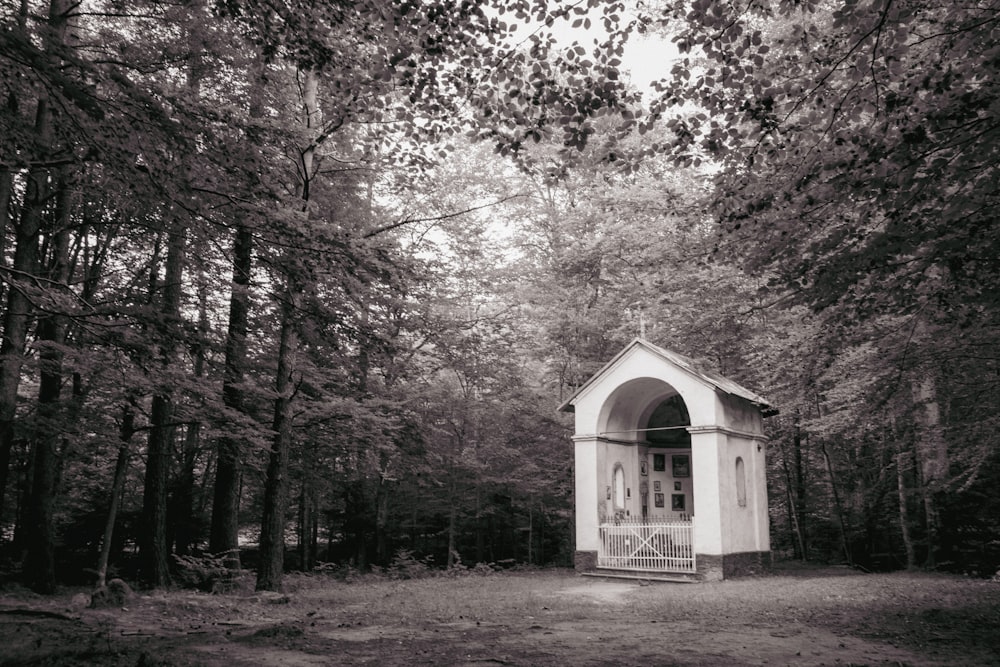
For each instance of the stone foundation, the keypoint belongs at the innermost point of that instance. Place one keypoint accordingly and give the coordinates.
(746, 564)
(585, 561)
(715, 568)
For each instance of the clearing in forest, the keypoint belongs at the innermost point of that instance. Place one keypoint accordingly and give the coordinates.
(829, 616)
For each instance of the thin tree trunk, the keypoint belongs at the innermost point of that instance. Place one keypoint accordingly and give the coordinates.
(224, 536)
(902, 465)
(793, 515)
(838, 508)
(154, 547)
(19, 311)
(800, 491)
(932, 454)
(224, 532)
(7, 406)
(307, 524)
(272, 532)
(39, 563)
(117, 485)
(480, 537)
(531, 529)
(382, 554)
(183, 520)
(452, 529)
(272, 537)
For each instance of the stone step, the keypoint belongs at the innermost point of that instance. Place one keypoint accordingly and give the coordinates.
(659, 577)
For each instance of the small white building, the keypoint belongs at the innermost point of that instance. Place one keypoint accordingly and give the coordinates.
(670, 470)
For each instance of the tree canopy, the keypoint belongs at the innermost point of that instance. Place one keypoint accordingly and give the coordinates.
(331, 266)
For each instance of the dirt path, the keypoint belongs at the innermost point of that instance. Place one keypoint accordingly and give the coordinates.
(543, 620)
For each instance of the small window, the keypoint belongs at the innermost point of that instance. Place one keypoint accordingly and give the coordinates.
(741, 482)
(619, 486)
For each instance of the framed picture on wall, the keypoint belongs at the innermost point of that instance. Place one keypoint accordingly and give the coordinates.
(677, 502)
(643, 469)
(677, 486)
(658, 499)
(656, 485)
(659, 462)
(681, 465)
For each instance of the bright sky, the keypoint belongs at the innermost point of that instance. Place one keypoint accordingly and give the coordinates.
(647, 58)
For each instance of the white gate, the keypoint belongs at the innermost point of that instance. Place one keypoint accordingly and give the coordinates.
(647, 545)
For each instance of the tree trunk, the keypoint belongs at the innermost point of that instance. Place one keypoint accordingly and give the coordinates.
(800, 491)
(480, 532)
(117, 485)
(837, 506)
(452, 519)
(6, 193)
(382, 555)
(224, 532)
(225, 508)
(932, 459)
(19, 311)
(184, 519)
(307, 531)
(39, 563)
(154, 546)
(272, 536)
(452, 529)
(903, 464)
(531, 529)
(791, 489)
(272, 531)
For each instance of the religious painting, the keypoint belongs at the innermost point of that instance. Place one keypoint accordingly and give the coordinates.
(659, 462)
(677, 486)
(677, 502)
(643, 469)
(681, 464)
(658, 499)
(656, 485)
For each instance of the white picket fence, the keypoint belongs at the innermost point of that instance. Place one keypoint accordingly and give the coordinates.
(649, 546)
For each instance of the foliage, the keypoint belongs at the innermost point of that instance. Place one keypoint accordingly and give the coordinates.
(439, 219)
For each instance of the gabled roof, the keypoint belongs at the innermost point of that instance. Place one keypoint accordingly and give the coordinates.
(687, 365)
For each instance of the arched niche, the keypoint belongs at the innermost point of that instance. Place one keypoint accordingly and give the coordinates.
(666, 424)
(626, 413)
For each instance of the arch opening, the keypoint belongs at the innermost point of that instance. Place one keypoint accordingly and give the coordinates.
(665, 426)
(642, 404)
(646, 450)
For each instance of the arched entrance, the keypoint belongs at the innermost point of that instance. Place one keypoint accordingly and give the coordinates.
(644, 455)
(669, 468)
(647, 452)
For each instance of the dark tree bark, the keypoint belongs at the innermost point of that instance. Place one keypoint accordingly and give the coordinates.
(39, 562)
(904, 465)
(800, 491)
(20, 311)
(224, 533)
(154, 545)
(838, 507)
(118, 483)
(382, 555)
(307, 527)
(184, 519)
(8, 353)
(272, 531)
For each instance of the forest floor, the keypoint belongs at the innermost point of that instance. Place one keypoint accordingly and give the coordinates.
(814, 616)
